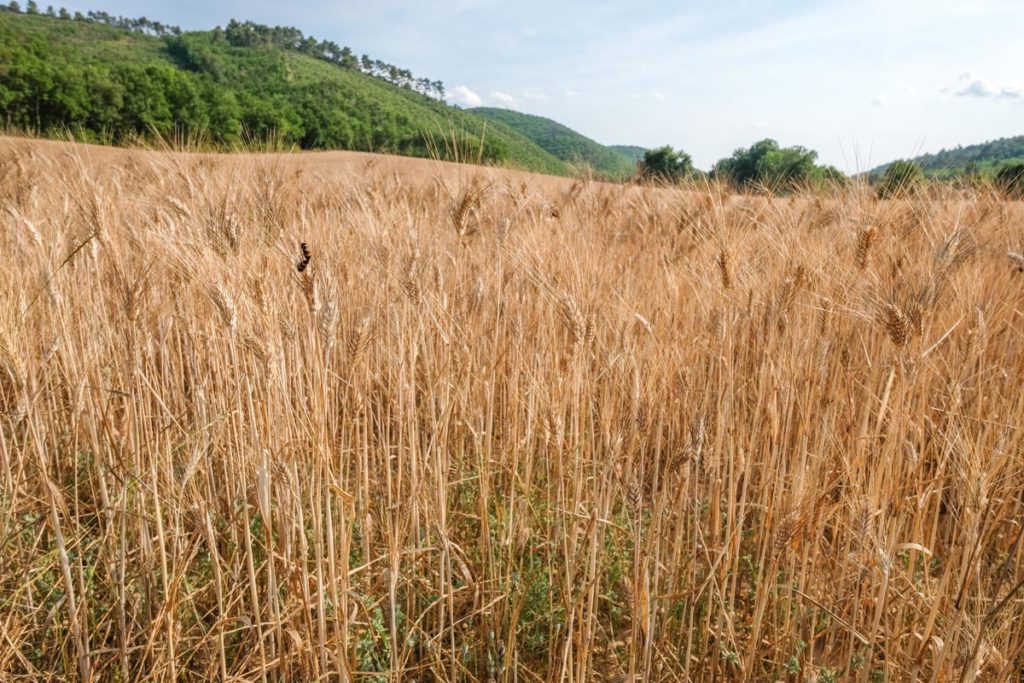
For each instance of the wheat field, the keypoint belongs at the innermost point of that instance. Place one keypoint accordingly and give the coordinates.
(487, 426)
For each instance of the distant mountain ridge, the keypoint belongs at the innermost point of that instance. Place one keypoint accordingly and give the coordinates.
(984, 157)
(564, 143)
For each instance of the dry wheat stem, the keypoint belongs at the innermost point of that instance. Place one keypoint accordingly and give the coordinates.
(595, 431)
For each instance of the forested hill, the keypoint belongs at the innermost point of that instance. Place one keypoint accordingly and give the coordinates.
(109, 79)
(563, 142)
(983, 158)
(631, 151)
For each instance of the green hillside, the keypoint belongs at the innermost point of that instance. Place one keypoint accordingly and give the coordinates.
(562, 142)
(110, 79)
(984, 158)
(630, 151)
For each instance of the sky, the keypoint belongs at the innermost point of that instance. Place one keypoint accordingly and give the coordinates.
(862, 82)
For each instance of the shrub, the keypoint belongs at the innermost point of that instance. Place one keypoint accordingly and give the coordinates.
(665, 163)
(901, 178)
(1010, 179)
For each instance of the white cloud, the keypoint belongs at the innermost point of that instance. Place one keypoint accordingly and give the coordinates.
(879, 101)
(460, 94)
(976, 88)
(539, 95)
(504, 99)
(569, 94)
(757, 125)
(659, 96)
(968, 85)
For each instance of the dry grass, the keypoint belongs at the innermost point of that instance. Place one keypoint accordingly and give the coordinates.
(498, 429)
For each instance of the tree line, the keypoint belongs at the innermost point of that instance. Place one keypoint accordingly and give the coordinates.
(139, 25)
(251, 34)
(767, 166)
(764, 165)
(905, 176)
(983, 158)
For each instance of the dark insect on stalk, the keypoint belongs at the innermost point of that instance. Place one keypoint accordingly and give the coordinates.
(306, 255)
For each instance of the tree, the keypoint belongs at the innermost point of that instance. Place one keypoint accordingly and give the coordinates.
(1010, 179)
(665, 163)
(900, 179)
(770, 166)
(32, 7)
(13, 6)
(348, 59)
(145, 107)
(225, 115)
